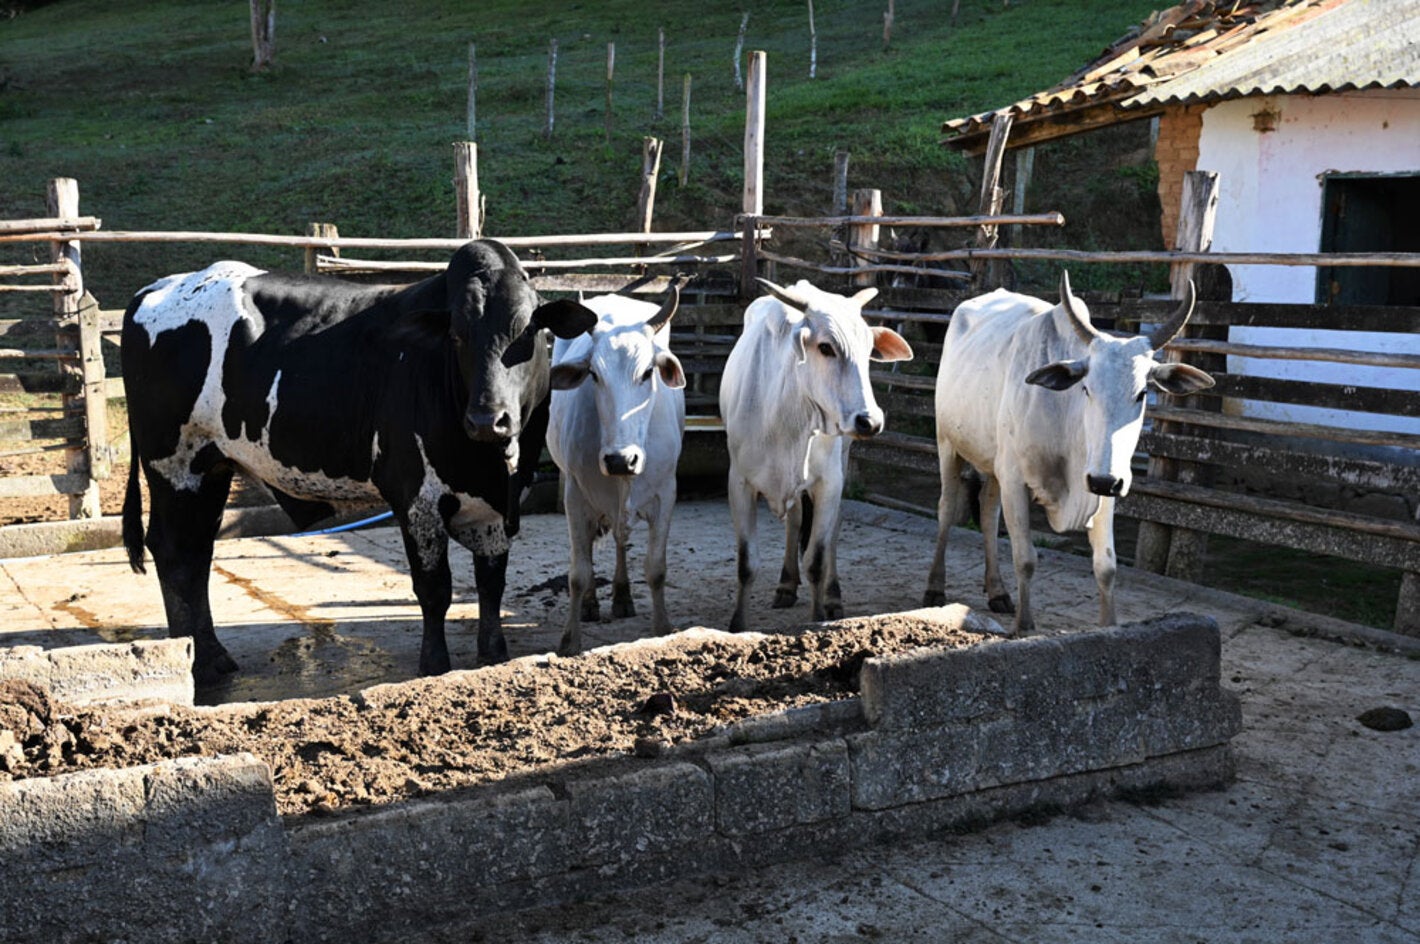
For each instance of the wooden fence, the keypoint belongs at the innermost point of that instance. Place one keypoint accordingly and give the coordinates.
(1214, 469)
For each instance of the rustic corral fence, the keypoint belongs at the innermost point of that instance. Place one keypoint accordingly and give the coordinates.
(1206, 466)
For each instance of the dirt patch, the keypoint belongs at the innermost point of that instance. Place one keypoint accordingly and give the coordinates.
(401, 741)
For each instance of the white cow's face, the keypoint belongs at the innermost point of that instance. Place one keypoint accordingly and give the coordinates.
(835, 347)
(1111, 381)
(624, 364)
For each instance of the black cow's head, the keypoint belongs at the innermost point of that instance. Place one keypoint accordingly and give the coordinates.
(496, 321)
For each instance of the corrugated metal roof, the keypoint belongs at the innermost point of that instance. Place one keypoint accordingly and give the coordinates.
(1359, 45)
(1208, 50)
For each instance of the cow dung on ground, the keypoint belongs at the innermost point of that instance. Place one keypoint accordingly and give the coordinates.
(399, 741)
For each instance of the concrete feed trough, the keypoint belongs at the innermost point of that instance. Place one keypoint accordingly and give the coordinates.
(195, 849)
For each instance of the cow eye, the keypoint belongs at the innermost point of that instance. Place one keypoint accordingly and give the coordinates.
(593, 374)
(826, 349)
(647, 375)
(1140, 397)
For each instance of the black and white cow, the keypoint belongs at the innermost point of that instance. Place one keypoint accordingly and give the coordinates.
(432, 398)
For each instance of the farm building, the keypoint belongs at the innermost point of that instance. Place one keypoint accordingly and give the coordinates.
(1309, 113)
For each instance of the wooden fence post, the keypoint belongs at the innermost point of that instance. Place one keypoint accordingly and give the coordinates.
(1180, 552)
(739, 51)
(753, 203)
(263, 34)
(887, 26)
(472, 93)
(551, 85)
(650, 170)
(685, 132)
(660, 75)
(992, 197)
(813, 43)
(62, 200)
(610, 76)
(321, 231)
(864, 235)
(1407, 606)
(470, 215)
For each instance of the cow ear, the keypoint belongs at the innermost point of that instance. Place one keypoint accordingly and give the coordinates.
(1180, 379)
(888, 345)
(569, 375)
(1061, 375)
(421, 327)
(671, 372)
(565, 318)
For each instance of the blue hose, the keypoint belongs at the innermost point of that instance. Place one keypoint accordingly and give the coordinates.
(346, 527)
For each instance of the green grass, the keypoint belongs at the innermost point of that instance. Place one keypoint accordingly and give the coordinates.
(151, 107)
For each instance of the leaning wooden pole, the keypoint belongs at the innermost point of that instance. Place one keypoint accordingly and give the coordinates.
(864, 236)
(650, 170)
(992, 198)
(660, 75)
(739, 52)
(610, 79)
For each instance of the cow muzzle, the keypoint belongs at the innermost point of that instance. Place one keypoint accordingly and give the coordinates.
(623, 462)
(490, 427)
(1107, 486)
(867, 424)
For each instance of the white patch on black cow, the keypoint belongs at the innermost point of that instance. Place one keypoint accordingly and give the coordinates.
(215, 298)
(476, 525)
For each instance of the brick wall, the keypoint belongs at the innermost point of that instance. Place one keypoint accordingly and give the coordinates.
(1177, 153)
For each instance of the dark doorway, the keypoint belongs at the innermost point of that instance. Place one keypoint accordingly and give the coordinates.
(1370, 213)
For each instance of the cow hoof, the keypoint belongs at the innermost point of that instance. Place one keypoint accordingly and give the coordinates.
(737, 623)
(212, 668)
(433, 667)
(623, 608)
(834, 611)
(591, 612)
(783, 599)
(567, 649)
(934, 598)
(1001, 604)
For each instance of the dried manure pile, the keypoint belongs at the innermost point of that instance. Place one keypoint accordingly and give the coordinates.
(420, 806)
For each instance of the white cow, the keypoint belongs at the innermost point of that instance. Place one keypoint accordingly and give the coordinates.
(1044, 406)
(617, 441)
(794, 393)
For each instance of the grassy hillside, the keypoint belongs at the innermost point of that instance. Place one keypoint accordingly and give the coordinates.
(152, 108)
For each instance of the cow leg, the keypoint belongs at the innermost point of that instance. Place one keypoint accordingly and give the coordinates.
(1102, 548)
(742, 514)
(822, 555)
(621, 603)
(787, 593)
(1014, 499)
(434, 589)
(998, 598)
(491, 574)
(182, 526)
(581, 587)
(656, 543)
(948, 513)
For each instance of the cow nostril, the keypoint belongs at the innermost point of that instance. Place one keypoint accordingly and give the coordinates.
(622, 463)
(1106, 485)
(865, 424)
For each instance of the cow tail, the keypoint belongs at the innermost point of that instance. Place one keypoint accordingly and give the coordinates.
(133, 511)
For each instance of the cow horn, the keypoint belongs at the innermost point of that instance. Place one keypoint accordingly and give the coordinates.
(1167, 331)
(1079, 318)
(668, 308)
(784, 295)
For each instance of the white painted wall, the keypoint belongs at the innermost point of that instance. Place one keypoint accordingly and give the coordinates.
(1270, 201)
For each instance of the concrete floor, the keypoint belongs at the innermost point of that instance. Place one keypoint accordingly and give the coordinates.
(1317, 841)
